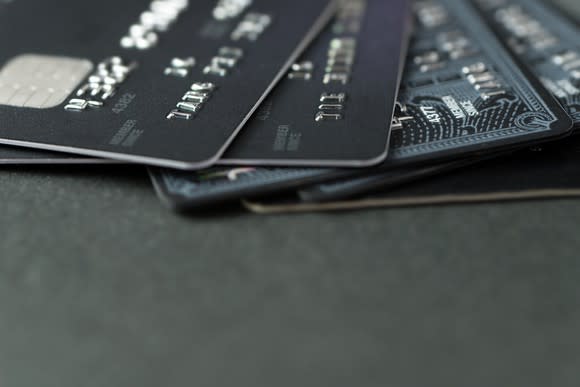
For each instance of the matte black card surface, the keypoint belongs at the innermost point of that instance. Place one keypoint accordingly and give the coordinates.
(549, 172)
(166, 82)
(336, 106)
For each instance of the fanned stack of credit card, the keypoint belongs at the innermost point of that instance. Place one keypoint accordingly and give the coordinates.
(300, 106)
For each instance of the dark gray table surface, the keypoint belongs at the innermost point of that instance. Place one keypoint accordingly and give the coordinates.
(102, 286)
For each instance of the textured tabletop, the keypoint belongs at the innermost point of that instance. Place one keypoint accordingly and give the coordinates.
(101, 286)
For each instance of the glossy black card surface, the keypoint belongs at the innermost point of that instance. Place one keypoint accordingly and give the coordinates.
(166, 82)
(336, 105)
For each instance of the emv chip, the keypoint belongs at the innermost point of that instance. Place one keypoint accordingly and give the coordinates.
(41, 81)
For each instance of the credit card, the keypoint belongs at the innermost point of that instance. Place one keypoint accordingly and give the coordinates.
(463, 93)
(545, 35)
(546, 172)
(161, 82)
(184, 191)
(336, 106)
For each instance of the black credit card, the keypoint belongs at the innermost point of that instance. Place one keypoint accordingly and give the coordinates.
(545, 35)
(162, 82)
(544, 172)
(464, 93)
(336, 105)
